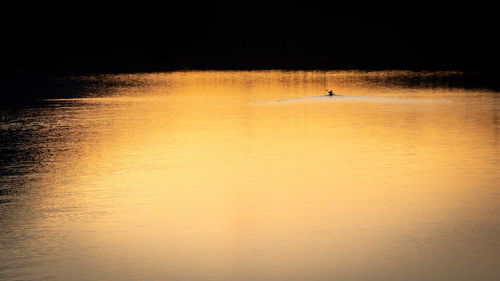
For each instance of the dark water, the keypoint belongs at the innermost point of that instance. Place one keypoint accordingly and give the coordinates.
(237, 175)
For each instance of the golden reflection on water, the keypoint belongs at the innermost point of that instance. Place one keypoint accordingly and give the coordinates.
(201, 176)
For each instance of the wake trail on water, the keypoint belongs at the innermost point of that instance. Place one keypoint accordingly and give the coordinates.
(329, 98)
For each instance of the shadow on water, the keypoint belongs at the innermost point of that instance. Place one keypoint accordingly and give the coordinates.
(26, 89)
(28, 144)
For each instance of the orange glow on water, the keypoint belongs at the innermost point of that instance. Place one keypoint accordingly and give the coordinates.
(194, 175)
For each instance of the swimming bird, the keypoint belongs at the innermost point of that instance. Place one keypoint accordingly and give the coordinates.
(330, 92)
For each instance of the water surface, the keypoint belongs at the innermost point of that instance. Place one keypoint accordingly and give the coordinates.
(237, 175)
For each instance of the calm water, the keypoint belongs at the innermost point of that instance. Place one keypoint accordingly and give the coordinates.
(252, 176)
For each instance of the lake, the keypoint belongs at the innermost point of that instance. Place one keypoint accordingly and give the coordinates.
(252, 175)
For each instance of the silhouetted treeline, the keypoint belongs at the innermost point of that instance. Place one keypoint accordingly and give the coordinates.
(91, 37)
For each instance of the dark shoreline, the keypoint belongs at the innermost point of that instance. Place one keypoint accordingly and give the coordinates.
(43, 42)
